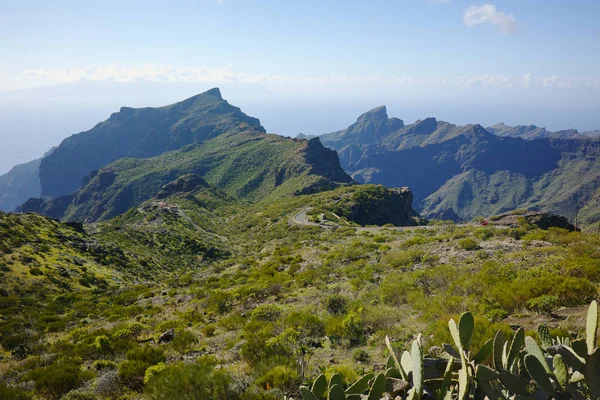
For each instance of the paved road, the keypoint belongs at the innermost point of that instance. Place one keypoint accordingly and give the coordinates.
(301, 218)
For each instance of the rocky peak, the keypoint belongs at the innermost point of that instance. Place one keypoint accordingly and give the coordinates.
(376, 114)
(423, 127)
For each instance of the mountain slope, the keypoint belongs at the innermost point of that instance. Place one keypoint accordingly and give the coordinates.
(460, 172)
(19, 184)
(248, 165)
(139, 133)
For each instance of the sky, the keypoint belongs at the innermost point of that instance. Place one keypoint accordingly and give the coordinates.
(299, 66)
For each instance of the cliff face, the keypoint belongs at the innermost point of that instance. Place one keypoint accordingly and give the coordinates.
(140, 133)
(19, 184)
(325, 162)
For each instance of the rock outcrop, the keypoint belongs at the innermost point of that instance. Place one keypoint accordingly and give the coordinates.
(538, 219)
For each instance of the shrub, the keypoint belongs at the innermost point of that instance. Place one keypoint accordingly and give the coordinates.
(103, 345)
(133, 369)
(80, 394)
(100, 365)
(10, 393)
(361, 355)
(209, 329)
(497, 314)
(189, 381)
(468, 244)
(353, 328)
(152, 371)
(131, 331)
(266, 312)
(336, 304)
(184, 340)
(543, 304)
(281, 377)
(56, 380)
(131, 373)
(347, 373)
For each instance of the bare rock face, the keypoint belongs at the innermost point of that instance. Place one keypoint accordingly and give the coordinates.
(325, 162)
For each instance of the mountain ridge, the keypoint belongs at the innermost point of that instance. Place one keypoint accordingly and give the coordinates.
(460, 172)
(139, 133)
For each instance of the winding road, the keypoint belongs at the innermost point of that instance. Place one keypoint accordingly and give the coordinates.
(301, 218)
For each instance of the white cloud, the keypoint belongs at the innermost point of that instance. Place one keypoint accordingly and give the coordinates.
(228, 75)
(487, 13)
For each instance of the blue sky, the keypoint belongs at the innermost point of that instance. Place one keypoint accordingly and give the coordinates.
(418, 38)
(521, 62)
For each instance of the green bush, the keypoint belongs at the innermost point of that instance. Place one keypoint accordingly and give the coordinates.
(543, 304)
(100, 365)
(79, 395)
(266, 312)
(336, 304)
(468, 244)
(209, 329)
(353, 328)
(361, 355)
(10, 393)
(131, 373)
(183, 340)
(57, 379)
(137, 360)
(281, 377)
(189, 381)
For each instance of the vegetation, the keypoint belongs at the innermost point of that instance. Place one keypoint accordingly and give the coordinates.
(501, 368)
(137, 306)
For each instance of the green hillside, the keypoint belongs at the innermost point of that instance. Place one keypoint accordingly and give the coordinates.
(197, 287)
(248, 165)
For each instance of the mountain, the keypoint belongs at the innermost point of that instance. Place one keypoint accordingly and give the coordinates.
(249, 165)
(460, 172)
(532, 132)
(592, 134)
(139, 133)
(19, 184)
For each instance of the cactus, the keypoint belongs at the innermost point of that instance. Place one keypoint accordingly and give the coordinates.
(319, 386)
(561, 368)
(336, 392)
